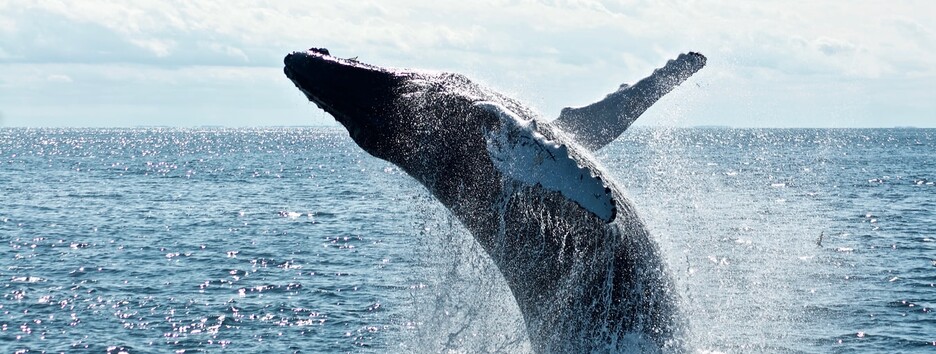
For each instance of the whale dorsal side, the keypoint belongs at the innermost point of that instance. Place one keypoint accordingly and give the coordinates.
(524, 156)
(598, 124)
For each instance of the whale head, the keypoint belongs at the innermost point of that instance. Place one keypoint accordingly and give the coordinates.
(359, 96)
(392, 114)
(446, 131)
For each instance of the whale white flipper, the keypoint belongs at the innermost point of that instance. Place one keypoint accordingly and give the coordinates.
(599, 123)
(523, 155)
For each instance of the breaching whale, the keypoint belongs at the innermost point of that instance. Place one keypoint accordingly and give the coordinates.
(584, 271)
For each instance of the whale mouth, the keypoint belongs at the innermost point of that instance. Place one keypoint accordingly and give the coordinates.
(298, 65)
(358, 95)
(312, 92)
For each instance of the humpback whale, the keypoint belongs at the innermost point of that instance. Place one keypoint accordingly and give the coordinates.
(584, 271)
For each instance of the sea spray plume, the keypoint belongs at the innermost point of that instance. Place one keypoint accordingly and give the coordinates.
(585, 273)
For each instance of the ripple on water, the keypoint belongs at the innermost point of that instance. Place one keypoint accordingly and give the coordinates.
(161, 240)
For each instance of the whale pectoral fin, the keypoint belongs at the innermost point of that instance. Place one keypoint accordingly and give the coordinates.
(524, 156)
(599, 123)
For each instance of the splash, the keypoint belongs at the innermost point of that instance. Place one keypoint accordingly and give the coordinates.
(460, 301)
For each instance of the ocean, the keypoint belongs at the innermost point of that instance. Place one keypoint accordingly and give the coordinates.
(295, 240)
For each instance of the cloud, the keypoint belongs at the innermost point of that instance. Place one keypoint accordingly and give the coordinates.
(832, 46)
(68, 94)
(552, 53)
(914, 31)
(172, 32)
(161, 48)
(7, 24)
(58, 78)
(227, 50)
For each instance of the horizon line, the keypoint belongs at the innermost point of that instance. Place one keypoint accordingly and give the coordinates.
(336, 126)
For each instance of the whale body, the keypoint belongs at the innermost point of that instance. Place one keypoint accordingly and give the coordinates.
(584, 271)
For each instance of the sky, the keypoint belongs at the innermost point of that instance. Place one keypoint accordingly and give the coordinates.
(98, 63)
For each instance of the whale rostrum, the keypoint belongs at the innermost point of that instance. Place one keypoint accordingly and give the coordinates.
(584, 271)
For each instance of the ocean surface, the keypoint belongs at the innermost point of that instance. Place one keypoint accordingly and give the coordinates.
(295, 240)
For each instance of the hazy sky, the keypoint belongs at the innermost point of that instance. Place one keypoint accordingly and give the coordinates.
(189, 63)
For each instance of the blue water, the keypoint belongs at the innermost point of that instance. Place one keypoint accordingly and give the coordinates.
(294, 240)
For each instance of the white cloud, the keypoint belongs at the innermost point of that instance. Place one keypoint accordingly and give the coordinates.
(552, 53)
(832, 46)
(913, 30)
(58, 78)
(228, 50)
(161, 48)
(7, 24)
